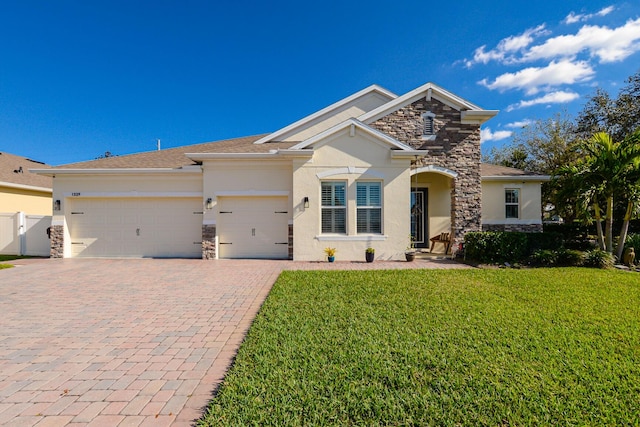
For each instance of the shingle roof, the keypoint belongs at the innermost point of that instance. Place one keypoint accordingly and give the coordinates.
(487, 169)
(175, 157)
(15, 170)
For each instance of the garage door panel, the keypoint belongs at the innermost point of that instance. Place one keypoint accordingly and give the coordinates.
(253, 227)
(160, 227)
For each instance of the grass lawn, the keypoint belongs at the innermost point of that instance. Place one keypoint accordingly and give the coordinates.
(9, 258)
(466, 347)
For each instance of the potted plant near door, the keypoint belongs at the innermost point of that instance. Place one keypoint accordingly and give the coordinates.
(410, 252)
(331, 254)
(369, 254)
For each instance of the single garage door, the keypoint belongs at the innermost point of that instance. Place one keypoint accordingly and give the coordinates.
(137, 228)
(253, 227)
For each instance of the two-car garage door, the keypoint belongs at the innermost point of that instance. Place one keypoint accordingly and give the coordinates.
(136, 227)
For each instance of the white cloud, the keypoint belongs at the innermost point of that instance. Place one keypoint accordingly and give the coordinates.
(487, 135)
(572, 18)
(609, 45)
(507, 47)
(558, 97)
(533, 79)
(519, 125)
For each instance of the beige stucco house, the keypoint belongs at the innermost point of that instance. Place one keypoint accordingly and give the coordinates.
(368, 171)
(21, 190)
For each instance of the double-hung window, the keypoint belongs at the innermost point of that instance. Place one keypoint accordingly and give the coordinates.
(334, 207)
(369, 207)
(512, 202)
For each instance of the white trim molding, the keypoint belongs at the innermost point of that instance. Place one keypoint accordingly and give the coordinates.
(358, 238)
(125, 194)
(350, 170)
(25, 187)
(249, 193)
(436, 169)
(516, 178)
(512, 221)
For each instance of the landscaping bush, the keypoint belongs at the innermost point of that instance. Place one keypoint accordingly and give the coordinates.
(508, 246)
(543, 258)
(569, 258)
(575, 236)
(599, 259)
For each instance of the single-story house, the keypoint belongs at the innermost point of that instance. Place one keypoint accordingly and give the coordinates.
(25, 206)
(22, 190)
(372, 170)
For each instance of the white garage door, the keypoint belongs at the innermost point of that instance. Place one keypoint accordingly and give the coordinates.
(137, 228)
(253, 227)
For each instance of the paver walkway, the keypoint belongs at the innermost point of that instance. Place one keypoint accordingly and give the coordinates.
(128, 342)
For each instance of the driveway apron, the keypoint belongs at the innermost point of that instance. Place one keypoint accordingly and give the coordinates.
(129, 342)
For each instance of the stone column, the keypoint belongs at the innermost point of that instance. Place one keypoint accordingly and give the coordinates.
(57, 241)
(209, 241)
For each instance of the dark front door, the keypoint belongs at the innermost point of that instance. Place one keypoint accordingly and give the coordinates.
(419, 216)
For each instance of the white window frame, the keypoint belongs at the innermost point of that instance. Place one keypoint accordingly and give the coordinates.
(369, 206)
(508, 203)
(325, 208)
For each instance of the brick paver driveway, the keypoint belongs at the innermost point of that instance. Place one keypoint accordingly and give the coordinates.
(128, 342)
(121, 342)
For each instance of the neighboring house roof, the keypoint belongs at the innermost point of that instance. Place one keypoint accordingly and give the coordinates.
(174, 158)
(14, 173)
(498, 173)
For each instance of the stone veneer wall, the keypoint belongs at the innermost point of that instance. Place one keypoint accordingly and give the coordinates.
(208, 242)
(456, 147)
(526, 228)
(291, 241)
(57, 241)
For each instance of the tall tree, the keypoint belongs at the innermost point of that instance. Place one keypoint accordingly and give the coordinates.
(605, 169)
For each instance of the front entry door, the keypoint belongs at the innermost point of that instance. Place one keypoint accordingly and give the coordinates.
(419, 216)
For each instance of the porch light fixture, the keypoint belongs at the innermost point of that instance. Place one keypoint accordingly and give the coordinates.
(306, 202)
(209, 204)
(56, 205)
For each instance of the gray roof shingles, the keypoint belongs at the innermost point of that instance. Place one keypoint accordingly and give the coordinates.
(15, 170)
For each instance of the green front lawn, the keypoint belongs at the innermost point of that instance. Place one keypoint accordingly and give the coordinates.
(468, 347)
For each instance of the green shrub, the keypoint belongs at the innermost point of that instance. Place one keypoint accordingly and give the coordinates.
(569, 258)
(599, 259)
(543, 258)
(508, 246)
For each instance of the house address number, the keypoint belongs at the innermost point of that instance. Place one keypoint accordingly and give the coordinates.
(75, 194)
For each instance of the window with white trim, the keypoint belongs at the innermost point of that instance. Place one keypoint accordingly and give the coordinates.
(369, 207)
(512, 202)
(334, 207)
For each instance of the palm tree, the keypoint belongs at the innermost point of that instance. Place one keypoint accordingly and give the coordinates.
(604, 170)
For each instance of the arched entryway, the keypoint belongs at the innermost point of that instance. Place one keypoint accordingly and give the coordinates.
(431, 213)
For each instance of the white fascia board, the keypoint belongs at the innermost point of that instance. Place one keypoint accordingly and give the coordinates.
(228, 156)
(295, 153)
(426, 90)
(334, 106)
(476, 117)
(395, 154)
(514, 178)
(358, 124)
(25, 187)
(114, 171)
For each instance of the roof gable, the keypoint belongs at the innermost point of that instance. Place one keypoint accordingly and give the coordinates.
(470, 113)
(357, 99)
(353, 124)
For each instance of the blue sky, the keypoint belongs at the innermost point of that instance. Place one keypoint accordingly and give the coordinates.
(80, 78)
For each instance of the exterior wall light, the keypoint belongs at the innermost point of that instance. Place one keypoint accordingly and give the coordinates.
(56, 205)
(306, 202)
(209, 204)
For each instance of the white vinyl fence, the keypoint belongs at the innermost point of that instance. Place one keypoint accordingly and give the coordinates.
(23, 234)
